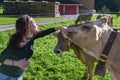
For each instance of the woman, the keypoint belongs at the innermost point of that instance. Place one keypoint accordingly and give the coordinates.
(14, 59)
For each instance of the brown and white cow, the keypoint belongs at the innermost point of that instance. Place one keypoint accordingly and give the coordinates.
(110, 18)
(83, 17)
(92, 37)
(64, 44)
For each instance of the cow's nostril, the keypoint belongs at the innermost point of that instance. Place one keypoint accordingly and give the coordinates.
(58, 51)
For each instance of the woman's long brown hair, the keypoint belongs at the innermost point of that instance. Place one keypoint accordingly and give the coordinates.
(22, 31)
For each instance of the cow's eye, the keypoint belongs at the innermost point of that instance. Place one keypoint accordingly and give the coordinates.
(86, 28)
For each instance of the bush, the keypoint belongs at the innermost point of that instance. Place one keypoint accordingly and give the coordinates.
(104, 10)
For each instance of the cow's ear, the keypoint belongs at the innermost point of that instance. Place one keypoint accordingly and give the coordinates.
(105, 19)
(55, 34)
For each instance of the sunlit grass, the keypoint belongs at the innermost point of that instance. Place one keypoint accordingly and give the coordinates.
(1, 10)
(11, 19)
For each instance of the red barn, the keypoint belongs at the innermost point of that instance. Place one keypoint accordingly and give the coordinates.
(69, 7)
(74, 6)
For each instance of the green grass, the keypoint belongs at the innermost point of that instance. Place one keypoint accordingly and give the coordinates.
(1, 10)
(116, 21)
(7, 19)
(45, 64)
(11, 19)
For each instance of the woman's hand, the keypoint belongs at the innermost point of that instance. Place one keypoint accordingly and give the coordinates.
(62, 29)
(23, 63)
(57, 28)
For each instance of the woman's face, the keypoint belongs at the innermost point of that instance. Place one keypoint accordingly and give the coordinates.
(33, 26)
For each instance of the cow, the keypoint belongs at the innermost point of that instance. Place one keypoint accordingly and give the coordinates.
(92, 37)
(83, 17)
(110, 18)
(64, 44)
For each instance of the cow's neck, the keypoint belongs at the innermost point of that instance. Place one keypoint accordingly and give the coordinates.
(93, 47)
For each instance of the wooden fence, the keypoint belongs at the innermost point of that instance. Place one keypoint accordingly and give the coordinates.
(31, 8)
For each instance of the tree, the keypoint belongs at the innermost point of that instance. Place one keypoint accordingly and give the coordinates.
(104, 10)
(112, 5)
(1, 1)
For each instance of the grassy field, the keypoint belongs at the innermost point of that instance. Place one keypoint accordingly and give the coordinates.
(45, 64)
(10, 19)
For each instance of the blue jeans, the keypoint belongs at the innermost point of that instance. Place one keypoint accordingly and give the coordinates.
(5, 77)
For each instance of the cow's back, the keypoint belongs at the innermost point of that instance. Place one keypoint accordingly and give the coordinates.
(83, 17)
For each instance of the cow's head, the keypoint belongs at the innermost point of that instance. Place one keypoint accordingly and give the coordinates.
(90, 29)
(89, 35)
(62, 43)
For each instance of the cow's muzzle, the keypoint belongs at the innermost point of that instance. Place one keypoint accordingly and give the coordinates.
(58, 51)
